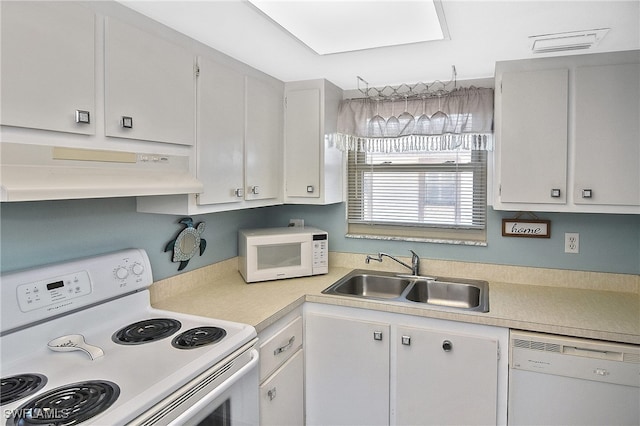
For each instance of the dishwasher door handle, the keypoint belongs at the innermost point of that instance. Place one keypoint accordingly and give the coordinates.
(592, 353)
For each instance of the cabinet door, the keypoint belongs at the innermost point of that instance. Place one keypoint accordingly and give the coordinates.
(282, 395)
(445, 378)
(347, 371)
(263, 141)
(149, 84)
(48, 56)
(607, 135)
(220, 133)
(302, 143)
(533, 137)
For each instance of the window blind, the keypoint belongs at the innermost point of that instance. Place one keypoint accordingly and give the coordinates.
(418, 194)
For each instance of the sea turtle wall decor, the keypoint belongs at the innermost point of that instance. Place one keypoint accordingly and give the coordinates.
(187, 242)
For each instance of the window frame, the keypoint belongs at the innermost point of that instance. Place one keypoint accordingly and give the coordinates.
(472, 234)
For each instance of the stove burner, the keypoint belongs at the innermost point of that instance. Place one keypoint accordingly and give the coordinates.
(199, 336)
(146, 331)
(67, 405)
(20, 386)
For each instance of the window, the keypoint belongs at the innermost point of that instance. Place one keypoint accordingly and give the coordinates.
(438, 195)
(417, 167)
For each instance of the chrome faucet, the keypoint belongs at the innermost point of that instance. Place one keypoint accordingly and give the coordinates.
(415, 261)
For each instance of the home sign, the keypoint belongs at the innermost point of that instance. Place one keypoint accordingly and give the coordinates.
(526, 228)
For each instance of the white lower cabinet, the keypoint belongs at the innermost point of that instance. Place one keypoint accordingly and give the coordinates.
(444, 377)
(282, 372)
(282, 394)
(379, 368)
(347, 371)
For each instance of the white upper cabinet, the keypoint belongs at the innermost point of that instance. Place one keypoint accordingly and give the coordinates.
(302, 133)
(149, 86)
(607, 149)
(220, 133)
(239, 144)
(568, 134)
(533, 136)
(263, 140)
(48, 71)
(313, 165)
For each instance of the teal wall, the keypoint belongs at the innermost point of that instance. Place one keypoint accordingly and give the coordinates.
(36, 233)
(608, 243)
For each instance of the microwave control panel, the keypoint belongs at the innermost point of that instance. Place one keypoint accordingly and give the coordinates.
(320, 253)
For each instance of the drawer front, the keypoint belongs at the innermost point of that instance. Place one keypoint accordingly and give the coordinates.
(282, 395)
(277, 349)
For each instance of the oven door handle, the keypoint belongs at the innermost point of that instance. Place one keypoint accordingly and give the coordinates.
(219, 390)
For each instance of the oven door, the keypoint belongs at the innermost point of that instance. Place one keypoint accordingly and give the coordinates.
(225, 395)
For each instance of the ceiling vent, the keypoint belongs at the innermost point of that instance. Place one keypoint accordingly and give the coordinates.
(560, 42)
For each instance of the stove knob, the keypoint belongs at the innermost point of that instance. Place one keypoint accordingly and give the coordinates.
(137, 269)
(122, 273)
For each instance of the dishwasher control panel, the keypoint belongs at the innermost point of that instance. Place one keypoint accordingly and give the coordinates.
(577, 358)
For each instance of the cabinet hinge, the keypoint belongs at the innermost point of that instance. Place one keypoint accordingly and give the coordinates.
(197, 70)
(500, 190)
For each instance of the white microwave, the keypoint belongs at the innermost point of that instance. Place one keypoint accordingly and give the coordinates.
(275, 253)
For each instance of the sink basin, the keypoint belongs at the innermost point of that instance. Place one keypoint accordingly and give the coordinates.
(376, 286)
(436, 292)
(446, 293)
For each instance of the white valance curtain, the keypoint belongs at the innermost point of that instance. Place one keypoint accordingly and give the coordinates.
(461, 119)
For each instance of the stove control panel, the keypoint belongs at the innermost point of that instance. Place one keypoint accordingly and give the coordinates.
(40, 294)
(33, 295)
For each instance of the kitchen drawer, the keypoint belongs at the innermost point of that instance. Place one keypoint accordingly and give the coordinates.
(277, 349)
(282, 395)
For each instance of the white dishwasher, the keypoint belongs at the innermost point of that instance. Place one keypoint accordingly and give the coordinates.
(556, 380)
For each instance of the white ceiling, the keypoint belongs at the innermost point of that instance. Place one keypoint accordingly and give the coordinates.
(481, 33)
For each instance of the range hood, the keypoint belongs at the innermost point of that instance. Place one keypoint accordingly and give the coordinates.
(38, 172)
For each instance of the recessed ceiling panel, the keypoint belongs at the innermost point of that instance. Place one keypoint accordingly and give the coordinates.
(332, 26)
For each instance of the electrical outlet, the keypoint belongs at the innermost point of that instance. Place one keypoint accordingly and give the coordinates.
(298, 223)
(571, 242)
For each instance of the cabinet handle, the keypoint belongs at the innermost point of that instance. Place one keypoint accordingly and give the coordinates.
(271, 394)
(238, 192)
(406, 340)
(555, 193)
(285, 347)
(83, 117)
(587, 193)
(254, 190)
(377, 335)
(310, 189)
(126, 122)
(447, 346)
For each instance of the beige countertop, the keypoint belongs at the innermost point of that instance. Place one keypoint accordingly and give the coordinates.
(597, 312)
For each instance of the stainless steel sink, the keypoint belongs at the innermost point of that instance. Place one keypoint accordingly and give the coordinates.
(446, 293)
(436, 292)
(375, 286)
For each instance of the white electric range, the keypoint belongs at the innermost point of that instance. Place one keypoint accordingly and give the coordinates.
(81, 343)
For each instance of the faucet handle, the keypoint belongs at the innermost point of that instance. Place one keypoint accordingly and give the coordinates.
(415, 263)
